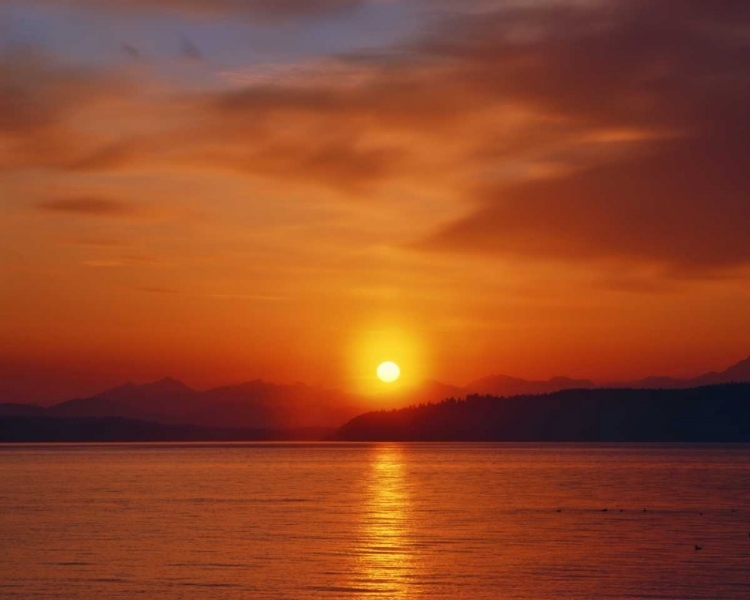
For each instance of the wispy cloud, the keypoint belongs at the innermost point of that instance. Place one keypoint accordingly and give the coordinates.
(251, 297)
(88, 206)
(189, 49)
(156, 290)
(271, 10)
(130, 51)
(96, 242)
(126, 261)
(41, 102)
(675, 198)
(607, 131)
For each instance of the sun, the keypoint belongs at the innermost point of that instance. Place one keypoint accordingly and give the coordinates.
(388, 372)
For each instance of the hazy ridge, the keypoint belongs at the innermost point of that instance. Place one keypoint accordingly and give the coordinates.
(262, 410)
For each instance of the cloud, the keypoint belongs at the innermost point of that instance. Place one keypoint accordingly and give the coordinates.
(35, 95)
(189, 50)
(685, 205)
(156, 290)
(578, 131)
(348, 124)
(126, 261)
(679, 70)
(271, 10)
(41, 101)
(130, 51)
(87, 206)
(96, 242)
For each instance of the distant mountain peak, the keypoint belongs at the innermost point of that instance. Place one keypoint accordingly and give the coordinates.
(504, 385)
(170, 384)
(126, 387)
(741, 370)
(166, 386)
(743, 363)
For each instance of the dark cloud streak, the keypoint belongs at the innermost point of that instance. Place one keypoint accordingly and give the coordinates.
(634, 112)
(189, 50)
(88, 206)
(651, 66)
(270, 10)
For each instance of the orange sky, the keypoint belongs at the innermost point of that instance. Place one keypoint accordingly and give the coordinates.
(529, 188)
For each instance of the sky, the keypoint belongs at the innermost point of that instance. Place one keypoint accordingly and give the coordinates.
(225, 190)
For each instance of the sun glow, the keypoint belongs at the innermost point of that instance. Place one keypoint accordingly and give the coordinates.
(385, 359)
(388, 372)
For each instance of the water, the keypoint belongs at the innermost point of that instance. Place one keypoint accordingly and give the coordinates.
(430, 521)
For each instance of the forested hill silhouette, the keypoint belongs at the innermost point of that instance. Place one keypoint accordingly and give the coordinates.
(718, 413)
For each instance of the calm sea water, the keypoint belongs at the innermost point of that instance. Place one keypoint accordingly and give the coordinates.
(428, 521)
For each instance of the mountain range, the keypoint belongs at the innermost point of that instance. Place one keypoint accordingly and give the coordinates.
(254, 404)
(502, 385)
(259, 404)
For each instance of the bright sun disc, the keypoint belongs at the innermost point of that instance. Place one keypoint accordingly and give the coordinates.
(388, 372)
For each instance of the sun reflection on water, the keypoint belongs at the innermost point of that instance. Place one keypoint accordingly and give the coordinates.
(386, 561)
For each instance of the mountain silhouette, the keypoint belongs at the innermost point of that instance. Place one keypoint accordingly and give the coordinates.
(719, 413)
(263, 405)
(255, 404)
(736, 373)
(503, 385)
(259, 403)
(161, 400)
